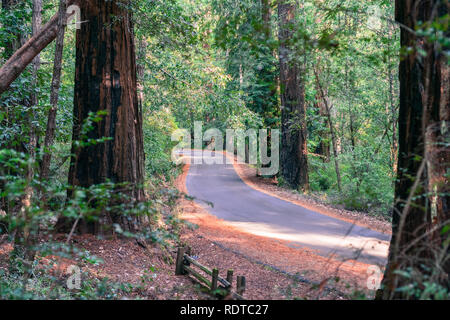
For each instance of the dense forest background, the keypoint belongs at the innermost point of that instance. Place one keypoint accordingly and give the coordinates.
(209, 61)
(227, 63)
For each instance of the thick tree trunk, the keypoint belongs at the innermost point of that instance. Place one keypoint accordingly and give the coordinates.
(105, 80)
(424, 113)
(294, 161)
(26, 54)
(436, 127)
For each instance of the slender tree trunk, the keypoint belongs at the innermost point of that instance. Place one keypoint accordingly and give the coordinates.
(294, 159)
(332, 131)
(10, 47)
(26, 54)
(423, 125)
(323, 148)
(105, 80)
(54, 94)
(26, 233)
(142, 53)
(37, 22)
(394, 117)
(349, 95)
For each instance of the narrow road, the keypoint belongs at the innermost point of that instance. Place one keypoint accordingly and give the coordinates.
(264, 215)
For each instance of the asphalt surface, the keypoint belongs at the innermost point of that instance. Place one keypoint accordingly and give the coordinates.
(261, 214)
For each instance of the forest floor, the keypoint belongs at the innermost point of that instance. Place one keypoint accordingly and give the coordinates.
(147, 273)
(273, 268)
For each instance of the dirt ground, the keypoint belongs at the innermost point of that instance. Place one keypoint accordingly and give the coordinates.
(273, 269)
(150, 270)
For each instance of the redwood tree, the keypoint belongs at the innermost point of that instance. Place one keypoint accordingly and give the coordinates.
(294, 161)
(423, 155)
(105, 80)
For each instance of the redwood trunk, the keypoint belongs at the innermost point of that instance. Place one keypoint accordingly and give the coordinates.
(436, 127)
(294, 161)
(105, 80)
(424, 109)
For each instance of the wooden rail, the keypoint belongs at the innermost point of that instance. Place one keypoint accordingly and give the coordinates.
(185, 265)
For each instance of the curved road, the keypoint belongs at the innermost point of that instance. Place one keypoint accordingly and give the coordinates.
(261, 214)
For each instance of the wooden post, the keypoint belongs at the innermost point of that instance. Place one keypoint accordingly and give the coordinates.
(179, 270)
(230, 279)
(215, 276)
(240, 284)
(230, 276)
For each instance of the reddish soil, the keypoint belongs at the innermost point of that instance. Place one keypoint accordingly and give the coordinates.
(273, 269)
(150, 270)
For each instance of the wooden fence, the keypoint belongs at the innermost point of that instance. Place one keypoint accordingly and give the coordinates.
(218, 286)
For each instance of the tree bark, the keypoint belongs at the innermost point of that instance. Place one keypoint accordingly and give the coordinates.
(423, 124)
(294, 159)
(25, 55)
(105, 80)
(436, 128)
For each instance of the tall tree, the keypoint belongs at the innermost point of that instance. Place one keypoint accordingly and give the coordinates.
(423, 154)
(105, 80)
(294, 159)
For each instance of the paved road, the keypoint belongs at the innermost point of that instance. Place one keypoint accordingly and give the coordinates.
(262, 214)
